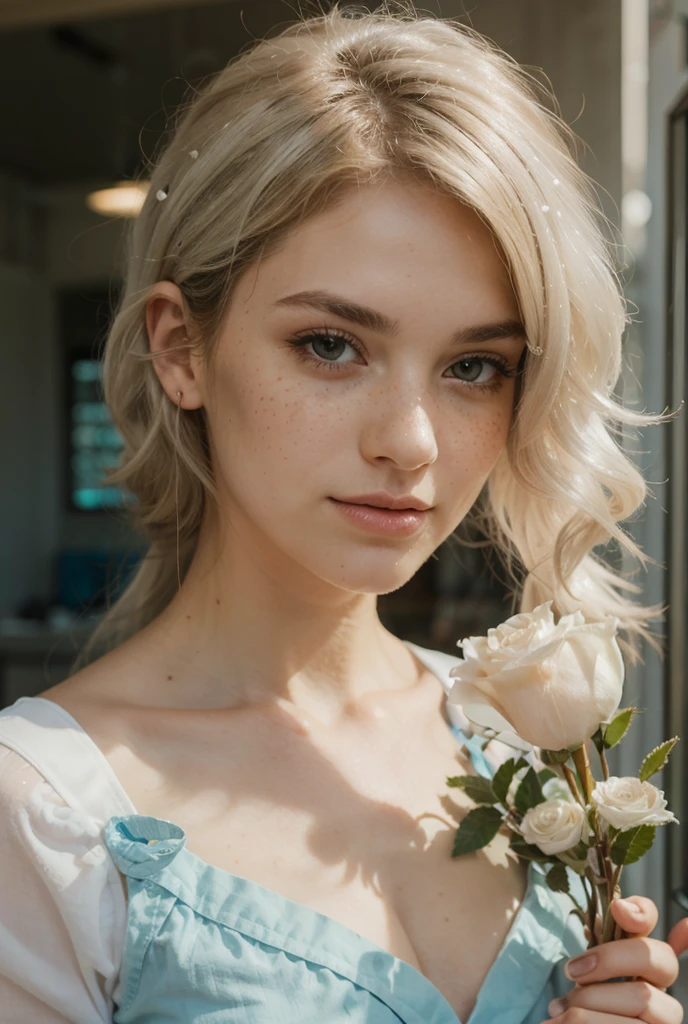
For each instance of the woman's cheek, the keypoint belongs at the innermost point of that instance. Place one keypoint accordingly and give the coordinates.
(478, 442)
(276, 438)
(468, 460)
(497, 436)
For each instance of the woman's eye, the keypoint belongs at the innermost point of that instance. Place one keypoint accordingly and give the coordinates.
(330, 347)
(472, 369)
(326, 348)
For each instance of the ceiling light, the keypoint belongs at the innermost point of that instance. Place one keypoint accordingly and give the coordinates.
(124, 199)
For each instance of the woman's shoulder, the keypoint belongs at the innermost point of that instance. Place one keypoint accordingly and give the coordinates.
(51, 740)
(40, 807)
(62, 902)
(99, 688)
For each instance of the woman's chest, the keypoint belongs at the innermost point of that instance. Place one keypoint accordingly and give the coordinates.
(364, 838)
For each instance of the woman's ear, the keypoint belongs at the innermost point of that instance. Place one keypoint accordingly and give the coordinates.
(168, 327)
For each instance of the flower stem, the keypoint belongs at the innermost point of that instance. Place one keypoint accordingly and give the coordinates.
(580, 759)
(577, 904)
(605, 766)
(592, 913)
(609, 924)
(573, 785)
(619, 933)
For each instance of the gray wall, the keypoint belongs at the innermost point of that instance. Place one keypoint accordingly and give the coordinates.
(577, 44)
(668, 80)
(74, 248)
(29, 517)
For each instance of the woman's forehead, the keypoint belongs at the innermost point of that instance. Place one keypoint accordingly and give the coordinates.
(381, 247)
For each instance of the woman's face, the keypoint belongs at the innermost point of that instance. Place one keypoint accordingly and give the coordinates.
(341, 371)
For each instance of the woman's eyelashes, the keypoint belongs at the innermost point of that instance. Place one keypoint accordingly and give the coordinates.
(321, 349)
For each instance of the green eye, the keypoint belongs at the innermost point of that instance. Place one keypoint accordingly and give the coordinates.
(471, 368)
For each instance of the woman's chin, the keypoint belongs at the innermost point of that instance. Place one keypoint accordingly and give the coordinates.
(369, 580)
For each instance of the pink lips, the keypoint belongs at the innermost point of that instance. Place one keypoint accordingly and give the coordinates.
(382, 499)
(399, 522)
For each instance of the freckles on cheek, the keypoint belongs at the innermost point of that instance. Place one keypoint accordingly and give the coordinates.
(246, 409)
(281, 420)
(314, 428)
(497, 431)
(478, 446)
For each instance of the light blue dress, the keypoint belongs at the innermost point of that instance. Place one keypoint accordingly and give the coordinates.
(204, 945)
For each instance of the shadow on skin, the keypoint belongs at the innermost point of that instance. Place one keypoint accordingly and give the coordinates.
(243, 772)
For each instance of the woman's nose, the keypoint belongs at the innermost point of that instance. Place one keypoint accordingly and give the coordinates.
(399, 428)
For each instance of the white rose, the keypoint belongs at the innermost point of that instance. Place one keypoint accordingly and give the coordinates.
(557, 789)
(549, 685)
(554, 825)
(627, 802)
(552, 789)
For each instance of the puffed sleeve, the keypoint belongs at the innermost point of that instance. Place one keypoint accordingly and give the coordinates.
(61, 905)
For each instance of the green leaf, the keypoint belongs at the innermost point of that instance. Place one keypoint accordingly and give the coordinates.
(656, 759)
(529, 851)
(579, 866)
(576, 858)
(555, 756)
(545, 774)
(618, 727)
(503, 776)
(501, 779)
(598, 739)
(476, 787)
(633, 844)
(529, 793)
(476, 830)
(557, 878)
(579, 852)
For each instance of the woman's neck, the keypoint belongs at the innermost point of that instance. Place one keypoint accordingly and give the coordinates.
(238, 633)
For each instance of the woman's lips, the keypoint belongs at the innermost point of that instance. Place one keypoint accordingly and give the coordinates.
(401, 522)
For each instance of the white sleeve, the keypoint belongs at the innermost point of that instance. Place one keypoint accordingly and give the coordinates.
(60, 899)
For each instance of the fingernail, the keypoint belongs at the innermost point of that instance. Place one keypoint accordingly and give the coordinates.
(555, 1007)
(581, 965)
(633, 908)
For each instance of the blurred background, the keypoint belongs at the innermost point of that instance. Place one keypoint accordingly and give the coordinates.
(88, 87)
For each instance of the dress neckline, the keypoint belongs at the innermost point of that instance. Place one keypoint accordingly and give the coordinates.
(153, 850)
(526, 932)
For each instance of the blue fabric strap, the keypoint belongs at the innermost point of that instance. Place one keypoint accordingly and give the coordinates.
(474, 745)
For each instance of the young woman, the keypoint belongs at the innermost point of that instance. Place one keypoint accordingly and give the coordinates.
(367, 295)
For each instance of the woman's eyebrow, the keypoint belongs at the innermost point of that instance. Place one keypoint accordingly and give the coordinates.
(382, 324)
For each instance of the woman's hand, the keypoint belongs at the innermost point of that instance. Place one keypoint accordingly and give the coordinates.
(652, 963)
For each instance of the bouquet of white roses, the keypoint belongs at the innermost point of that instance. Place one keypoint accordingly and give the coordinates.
(547, 689)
